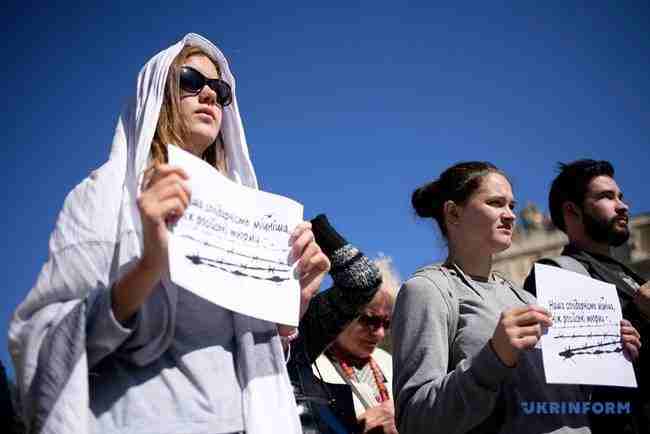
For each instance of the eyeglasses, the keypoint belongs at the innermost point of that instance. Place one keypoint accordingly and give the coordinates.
(374, 322)
(193, 81)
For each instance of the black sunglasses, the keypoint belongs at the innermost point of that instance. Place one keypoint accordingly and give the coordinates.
(374, 322)
(193, 81)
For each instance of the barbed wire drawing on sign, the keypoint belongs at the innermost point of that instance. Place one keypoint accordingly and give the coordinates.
(588, 350)
(221, 265)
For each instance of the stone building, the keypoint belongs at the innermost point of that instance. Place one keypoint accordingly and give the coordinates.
(535, 237)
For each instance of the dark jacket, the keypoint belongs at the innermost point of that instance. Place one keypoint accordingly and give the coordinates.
(8, 415)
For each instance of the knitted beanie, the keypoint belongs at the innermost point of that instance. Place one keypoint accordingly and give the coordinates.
(350, 267)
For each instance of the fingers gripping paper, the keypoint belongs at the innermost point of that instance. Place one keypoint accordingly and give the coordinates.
(584, 344)
(231, 246)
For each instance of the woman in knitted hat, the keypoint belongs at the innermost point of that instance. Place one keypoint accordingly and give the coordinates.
(355, 359)
(328, 408)
(105, 342)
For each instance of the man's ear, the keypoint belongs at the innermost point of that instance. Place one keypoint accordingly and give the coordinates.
(571, 210)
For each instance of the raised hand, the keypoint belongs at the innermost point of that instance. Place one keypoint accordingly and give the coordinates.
(312, 267)
(518, 329)
(164, 200)
(631, 340)
(312, 263)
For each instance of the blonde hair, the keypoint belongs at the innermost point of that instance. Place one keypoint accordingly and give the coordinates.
(171, 127)
(390, 276)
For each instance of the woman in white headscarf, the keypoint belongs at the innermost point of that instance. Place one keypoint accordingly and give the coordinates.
(105, 342)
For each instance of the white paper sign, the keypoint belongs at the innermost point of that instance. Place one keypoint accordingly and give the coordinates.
(231, 246)
(584, 344)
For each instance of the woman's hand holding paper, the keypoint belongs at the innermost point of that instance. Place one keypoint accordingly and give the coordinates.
(631, 340)
(312, 263)
(518, 329)
(164, 199)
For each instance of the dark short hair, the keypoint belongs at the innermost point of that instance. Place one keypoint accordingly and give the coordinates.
(570, 185)
(456, 183)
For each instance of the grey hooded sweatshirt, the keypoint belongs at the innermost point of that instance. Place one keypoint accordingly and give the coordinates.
(453, 382)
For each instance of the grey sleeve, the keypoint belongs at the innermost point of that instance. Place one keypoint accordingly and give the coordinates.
(427, 393)
(104, 333)
(143, 339)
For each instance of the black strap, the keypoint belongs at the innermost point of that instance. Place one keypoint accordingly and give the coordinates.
(603, 273)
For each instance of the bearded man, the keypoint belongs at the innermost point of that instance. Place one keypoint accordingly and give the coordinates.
(587, 204)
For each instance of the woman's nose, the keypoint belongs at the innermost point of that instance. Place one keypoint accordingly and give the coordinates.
(207, 95)
(379, 332)
(509, 214)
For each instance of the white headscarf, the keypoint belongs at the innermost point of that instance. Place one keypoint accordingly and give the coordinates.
(97, 236)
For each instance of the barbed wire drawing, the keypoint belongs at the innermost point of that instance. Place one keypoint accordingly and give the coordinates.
(220, 264)
(591, 350)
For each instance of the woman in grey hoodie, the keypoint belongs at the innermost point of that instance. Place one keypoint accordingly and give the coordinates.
(464, 337)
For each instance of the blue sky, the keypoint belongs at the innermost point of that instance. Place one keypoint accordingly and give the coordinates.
(347, 107)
